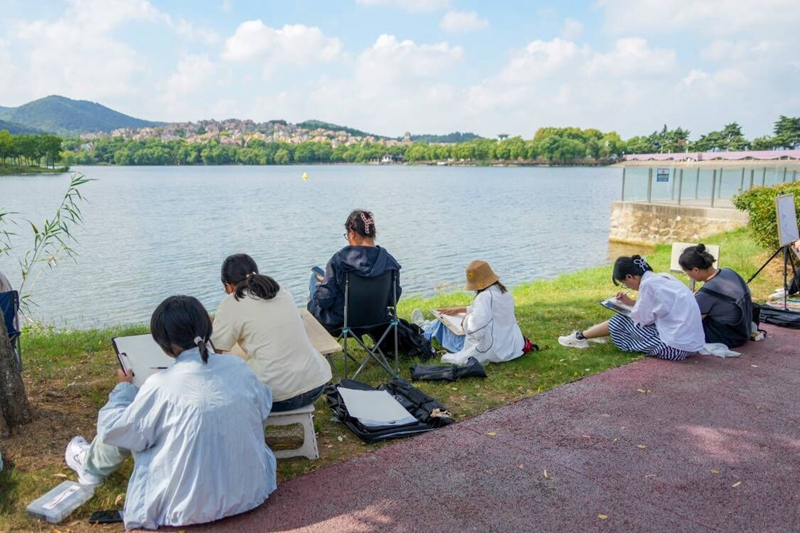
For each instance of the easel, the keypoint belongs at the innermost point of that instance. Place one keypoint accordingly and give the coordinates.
(787, 235)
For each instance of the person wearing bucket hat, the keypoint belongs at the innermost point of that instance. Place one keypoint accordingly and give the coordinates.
(491, 332)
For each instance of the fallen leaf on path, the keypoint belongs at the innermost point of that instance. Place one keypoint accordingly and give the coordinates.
(606, 415)
(339, 438)
(641, 446)
(587, 437)
(736, 484)
(119, 498)
(492, 433)
(615, 440)
(454, 388)
(641, 390)
(63, 476)
(602, 517)
(754, 366)
(545, 473)
(522, 467)
(714, 471)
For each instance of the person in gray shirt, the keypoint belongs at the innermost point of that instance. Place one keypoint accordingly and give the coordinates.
(724, 299)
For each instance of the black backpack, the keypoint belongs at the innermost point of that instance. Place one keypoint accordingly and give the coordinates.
(410, 341)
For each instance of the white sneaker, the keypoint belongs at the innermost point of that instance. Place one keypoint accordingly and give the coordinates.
(417, 318)
(572, 341)
(75, 456)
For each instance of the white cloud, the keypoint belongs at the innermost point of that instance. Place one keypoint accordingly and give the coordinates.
(572, 29)
(408, 5)
(462, 22)
(191, 73)
(632, 56)
(714, 17)
(190, 32)
(297, 44)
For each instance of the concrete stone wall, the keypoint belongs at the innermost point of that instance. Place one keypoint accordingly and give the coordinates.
(641, 223)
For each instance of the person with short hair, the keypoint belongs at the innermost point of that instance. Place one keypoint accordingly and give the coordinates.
(724, 299)
(195, 430)
(665, 321)
(361, 257)
(491, 332)
(260, 315)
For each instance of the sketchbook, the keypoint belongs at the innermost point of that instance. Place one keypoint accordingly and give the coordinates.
(451, 322)
(142, 355)
(617, 306)
(375, 408)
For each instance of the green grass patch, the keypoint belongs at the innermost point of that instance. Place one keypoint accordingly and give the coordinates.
(68, 376)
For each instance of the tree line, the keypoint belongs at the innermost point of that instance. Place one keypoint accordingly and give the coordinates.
(29, 150)
(549, 146)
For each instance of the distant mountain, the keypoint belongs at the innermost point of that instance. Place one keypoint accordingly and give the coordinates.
(455, 137)
(65, 116)
(314, 124)
(16, 129)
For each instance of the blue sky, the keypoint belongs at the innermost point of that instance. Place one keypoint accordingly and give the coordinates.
(425, 66)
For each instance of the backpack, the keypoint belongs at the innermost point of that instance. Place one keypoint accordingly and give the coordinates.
(410, 341)
(779, 317)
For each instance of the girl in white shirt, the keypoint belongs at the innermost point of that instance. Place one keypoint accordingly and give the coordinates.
(665, 321)
(261, 316)
(492, 334)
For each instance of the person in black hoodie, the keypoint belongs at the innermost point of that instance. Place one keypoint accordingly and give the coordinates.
(362, 257)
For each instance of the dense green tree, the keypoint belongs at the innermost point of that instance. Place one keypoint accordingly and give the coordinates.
(787, 132)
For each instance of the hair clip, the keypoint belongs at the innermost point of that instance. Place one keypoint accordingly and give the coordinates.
(367, 222)
(641, 263)
(199, 340)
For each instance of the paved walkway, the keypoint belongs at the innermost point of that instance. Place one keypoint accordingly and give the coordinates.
(704, 445)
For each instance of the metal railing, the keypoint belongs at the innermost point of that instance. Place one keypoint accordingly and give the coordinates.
(701, 187)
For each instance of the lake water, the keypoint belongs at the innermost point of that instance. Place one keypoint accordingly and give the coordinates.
(151, 232)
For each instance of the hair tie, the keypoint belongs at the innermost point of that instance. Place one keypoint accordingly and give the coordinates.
(367, 222)
(199, 341)
(641, 263)
(250, 275)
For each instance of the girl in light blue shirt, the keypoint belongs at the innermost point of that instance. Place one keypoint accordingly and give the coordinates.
(195, 430)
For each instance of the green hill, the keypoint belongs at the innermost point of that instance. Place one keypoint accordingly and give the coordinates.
(314, 124)
(61, 115)
(16, 129)
(455, 137)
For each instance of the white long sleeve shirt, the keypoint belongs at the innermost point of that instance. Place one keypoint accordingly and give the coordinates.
(491, 329)
(671, 306)
(197, 436)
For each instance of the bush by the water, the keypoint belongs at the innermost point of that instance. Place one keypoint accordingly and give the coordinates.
(760, 205)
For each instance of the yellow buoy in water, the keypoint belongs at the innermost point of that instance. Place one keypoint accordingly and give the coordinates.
(305, 176)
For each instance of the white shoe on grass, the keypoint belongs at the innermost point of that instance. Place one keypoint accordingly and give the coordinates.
(572, 341)
(75, 456)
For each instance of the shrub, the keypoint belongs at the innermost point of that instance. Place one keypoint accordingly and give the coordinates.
(760, 205)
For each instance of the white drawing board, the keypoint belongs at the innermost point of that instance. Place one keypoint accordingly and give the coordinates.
(787, 219)
(452, 322)
(141, 354)
(679, 247)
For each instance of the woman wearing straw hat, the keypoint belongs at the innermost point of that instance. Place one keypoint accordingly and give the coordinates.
(492, 334)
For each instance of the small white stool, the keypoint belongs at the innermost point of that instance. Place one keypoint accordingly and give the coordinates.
(305, 417)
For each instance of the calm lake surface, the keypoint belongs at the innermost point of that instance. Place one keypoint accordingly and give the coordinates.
(151, 232)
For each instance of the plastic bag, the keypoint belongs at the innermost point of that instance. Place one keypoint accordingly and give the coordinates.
(718, 349)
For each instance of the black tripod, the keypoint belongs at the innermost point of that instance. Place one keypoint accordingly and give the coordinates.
(788, 258)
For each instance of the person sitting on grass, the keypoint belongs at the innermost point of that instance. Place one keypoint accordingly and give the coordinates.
(491, 332)
(195, 430)
(664, 323)
(361, 257)
(724, 299)
(262, 318)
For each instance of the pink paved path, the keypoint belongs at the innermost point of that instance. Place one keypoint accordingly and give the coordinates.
(644, 460)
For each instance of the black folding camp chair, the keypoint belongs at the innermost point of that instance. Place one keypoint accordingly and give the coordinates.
(370, 304)
(9, 304)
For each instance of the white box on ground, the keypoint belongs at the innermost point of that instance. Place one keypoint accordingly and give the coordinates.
(60, 502)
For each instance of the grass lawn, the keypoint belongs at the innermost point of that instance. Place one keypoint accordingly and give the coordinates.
(7, 170)
(69, 374)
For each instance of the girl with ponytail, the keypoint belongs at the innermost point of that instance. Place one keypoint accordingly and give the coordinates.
(724, 299)
(664, 323)
(179, 428)
(261, 317)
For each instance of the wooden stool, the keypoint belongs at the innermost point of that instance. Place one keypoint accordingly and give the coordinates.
(305, 417)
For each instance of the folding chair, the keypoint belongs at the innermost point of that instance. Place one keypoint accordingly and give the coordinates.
(370, 303)
(9, 304)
